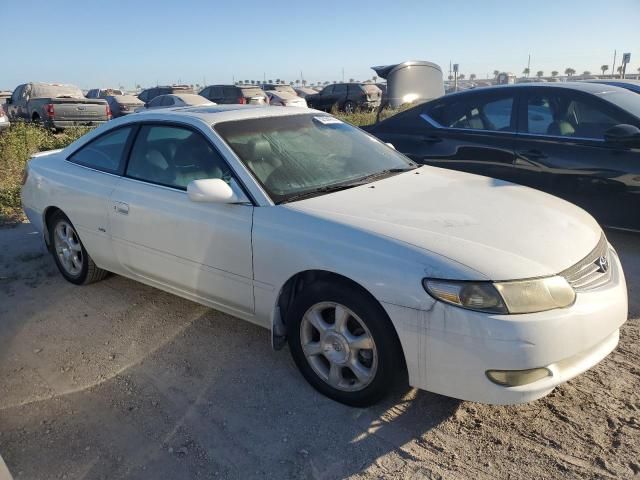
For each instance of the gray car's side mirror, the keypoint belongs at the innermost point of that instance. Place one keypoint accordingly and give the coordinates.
(623, 135)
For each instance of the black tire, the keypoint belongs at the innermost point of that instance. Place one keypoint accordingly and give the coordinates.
(349, 107)
(89, 271)
(391, 369)
(36, 119)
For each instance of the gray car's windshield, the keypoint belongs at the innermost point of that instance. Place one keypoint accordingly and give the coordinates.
(302, 155)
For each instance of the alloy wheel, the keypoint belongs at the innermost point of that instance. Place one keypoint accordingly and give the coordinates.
(338, 346)
(68, 248)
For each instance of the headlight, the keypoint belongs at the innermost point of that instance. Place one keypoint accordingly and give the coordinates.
(481, 296)
(520, 296)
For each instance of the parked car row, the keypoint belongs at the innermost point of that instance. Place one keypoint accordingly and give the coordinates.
(58, 106)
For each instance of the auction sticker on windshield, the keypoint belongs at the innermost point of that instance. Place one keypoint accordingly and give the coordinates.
(326, 120)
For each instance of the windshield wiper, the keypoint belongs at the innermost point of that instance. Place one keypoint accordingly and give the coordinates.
(384, 173)
(343, 186)
(320, 191)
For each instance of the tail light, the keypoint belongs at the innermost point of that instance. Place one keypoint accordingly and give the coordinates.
(242, 100)
(50, 110)
(108, 110)
(25, 174)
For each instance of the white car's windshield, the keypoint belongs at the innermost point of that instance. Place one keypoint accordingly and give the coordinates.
(304, 155)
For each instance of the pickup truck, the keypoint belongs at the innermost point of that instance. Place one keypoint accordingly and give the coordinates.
(55, 106)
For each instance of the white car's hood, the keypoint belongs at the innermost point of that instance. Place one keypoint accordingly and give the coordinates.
(501, 230)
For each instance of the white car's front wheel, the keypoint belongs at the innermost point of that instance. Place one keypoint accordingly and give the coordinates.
(344, 344)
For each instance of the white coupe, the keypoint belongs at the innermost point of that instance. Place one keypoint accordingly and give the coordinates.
(374, 270)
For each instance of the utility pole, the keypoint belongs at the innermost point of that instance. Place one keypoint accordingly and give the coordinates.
(529, 66)
(613, 69)
(456, 68)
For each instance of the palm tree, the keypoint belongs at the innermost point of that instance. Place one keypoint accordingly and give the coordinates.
(270, 81)
(526, 72)
(297, 81)
(554, 73)
(472, 76)
(539, 74)
(304, 83)
(461, 76)
(586, 72)
(604, 68)
(351, 80)
(496, 73)
(374, 78)
(450, 77)
(569, 71)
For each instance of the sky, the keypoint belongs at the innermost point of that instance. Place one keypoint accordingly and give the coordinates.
(109, 43)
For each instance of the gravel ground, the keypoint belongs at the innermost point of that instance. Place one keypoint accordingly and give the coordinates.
(119, 380)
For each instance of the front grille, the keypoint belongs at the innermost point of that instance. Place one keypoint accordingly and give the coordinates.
(592, 271)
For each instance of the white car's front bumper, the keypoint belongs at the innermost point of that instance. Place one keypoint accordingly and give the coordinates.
(449, 349)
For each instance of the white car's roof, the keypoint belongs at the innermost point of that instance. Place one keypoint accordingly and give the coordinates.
(212, 114)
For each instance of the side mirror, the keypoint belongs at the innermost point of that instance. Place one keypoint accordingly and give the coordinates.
(215, 190)
(390, 145)
(623, 135)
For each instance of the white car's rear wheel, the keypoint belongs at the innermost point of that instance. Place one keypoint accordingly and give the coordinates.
(70, 256)
(344, 343)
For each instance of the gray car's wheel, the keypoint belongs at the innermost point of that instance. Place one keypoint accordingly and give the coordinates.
(344, 344)
(70, 256)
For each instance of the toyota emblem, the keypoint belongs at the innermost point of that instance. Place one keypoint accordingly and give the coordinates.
(603, 264)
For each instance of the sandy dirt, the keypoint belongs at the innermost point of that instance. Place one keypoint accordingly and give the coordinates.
(119, 380)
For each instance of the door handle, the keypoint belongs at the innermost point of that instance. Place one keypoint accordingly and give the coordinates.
(121, 207)
(532, 154)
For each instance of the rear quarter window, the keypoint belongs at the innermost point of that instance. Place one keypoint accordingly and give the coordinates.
(105, 153)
